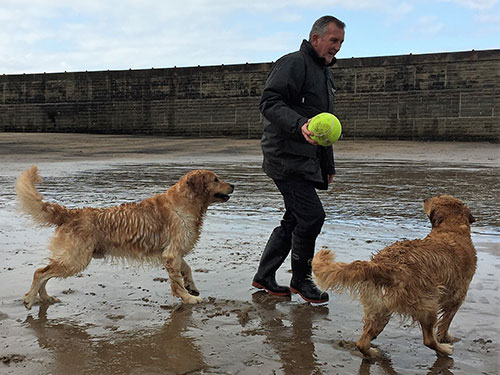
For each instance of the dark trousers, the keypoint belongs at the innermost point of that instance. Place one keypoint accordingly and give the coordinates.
(304, 214)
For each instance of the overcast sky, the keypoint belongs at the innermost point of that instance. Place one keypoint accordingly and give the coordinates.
(77, 35)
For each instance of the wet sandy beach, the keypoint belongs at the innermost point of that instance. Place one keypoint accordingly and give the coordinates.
(122, 319)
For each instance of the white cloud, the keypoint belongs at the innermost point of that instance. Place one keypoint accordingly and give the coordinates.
(475, 4)
(428, 25)
(490, 23)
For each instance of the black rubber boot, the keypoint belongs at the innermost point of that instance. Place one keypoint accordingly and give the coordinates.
(276, 250)
(301, 283)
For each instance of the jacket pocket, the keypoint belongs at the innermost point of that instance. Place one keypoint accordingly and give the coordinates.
(300, 149)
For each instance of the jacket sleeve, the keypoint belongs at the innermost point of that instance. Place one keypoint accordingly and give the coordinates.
(282, 93)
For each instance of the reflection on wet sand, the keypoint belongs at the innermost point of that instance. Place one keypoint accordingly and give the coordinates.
(74, 350)
(292, 343)
(383, 365)
(177, 347)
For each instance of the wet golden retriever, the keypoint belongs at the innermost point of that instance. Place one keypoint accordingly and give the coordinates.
(426, 280)
(161, 229)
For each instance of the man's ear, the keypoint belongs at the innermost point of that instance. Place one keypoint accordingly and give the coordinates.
(314, 40)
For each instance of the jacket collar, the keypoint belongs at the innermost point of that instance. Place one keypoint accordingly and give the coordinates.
(307, 47)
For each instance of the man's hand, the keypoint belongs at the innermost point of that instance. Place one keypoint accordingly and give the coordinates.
(330, 178)
(307, 134)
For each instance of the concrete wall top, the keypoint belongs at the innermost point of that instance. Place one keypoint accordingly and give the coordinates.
(136, 73)
(429, 58)
(354, 62)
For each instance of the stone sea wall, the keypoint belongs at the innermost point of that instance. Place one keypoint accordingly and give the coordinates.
(441, 96)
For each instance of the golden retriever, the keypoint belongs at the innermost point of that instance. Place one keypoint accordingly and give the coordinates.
(425, 280)
(161, 229)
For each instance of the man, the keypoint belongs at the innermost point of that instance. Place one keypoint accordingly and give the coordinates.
(299, 86)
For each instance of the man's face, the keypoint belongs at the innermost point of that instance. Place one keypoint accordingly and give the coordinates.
(329, 44)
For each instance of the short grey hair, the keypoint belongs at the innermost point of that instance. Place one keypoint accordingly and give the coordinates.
(319, 27)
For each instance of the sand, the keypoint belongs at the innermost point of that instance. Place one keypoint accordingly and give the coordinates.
(122, 319)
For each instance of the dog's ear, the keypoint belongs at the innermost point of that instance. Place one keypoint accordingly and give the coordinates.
(196, 183)
(436, 218)
(471, 218)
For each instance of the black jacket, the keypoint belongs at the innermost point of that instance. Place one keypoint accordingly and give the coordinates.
(298, 87)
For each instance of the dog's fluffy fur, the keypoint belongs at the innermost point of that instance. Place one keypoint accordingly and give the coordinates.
(161, 229)
(426, 280)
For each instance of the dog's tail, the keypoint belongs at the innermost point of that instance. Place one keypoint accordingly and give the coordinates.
(339, 276)
(32, 203)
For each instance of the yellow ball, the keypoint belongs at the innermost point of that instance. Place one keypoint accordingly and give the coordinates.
(326, 128)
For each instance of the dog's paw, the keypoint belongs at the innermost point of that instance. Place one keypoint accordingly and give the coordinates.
(447, 339)
(30, 301)
(445, 349)
(373, 353)
(191, 300)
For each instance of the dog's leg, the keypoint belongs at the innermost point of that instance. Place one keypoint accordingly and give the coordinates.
(188, 279)
(427, 323)
(44, 296)
(40, 278)
(31, 297)
(173, 263)
(375, 322)
(442, 335)
(67, 259)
